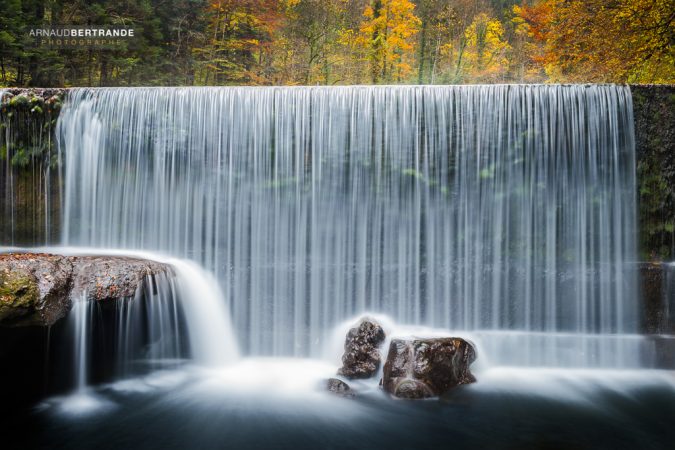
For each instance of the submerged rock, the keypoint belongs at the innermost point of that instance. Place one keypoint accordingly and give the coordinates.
(339, 388)
(39, 288)
(421, 368)
(362, 358)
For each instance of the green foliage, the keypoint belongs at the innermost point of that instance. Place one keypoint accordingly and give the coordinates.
(656, 209)
(654, 115)
(27, 123)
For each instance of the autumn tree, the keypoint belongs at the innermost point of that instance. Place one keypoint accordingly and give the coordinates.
(439, 26)
(387, 34)
(311, 35)
(599, 41)
(485, 52)
(253, 42)
(528, 49)
(237, 35)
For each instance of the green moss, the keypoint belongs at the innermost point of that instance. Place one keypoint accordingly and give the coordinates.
(29, 120)
(18, 289)
(487, 173)
(412, 173)
(638, 99)
(19, 100)
(20, 158)
(654, 108)
(281, 183)
(656, 209)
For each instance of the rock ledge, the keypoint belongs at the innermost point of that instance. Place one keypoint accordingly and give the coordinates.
(39, 288)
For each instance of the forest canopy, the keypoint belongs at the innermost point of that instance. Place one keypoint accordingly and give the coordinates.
(329, 42)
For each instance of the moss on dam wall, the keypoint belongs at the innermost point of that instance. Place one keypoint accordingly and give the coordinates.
(30, 186)
(29, 181)
(654, 112)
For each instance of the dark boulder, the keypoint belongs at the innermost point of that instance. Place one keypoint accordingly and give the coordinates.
(362, 358)
(339, 388)
(39, 288)
(422, 368)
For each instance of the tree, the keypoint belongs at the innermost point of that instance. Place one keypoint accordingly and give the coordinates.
(598, 41)
(236, 35)
(223, 42)
(485, 54)
(387, 33)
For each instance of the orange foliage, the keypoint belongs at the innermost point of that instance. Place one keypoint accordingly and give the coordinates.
(599, 41)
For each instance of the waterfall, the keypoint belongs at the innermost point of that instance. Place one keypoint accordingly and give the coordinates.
(113, 339)
(212, 342)
(494, 208)
(80, 318)
(171, 316)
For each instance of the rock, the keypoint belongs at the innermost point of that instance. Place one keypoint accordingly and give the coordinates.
(421, 368)
(39, 288)
(106, 277)
(339, 388)
(412, 389)
(34, 288)
(657, 288)
(45, 94)
(361, 358)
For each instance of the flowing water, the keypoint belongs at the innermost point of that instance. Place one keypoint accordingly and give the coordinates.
(167, 309)
(174, 317)
(504, 214)
(80, 317)
(492, 208)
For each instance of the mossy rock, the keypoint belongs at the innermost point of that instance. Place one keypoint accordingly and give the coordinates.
(19, 100)
(19, 293)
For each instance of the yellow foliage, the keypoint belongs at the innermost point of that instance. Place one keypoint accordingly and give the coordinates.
(486, 52)
(599, 41)
(386, 34)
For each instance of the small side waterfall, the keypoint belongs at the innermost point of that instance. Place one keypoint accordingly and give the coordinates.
(81, 317)
(212, 341)
(172, 318)
(498, 208)
(116, 339)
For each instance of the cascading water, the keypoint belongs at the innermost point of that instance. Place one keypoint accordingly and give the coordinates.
(466, 207)
(669, 302)
(80, 317)
(110, 338)
(176, 316)
(212, 342)
(151, 329)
